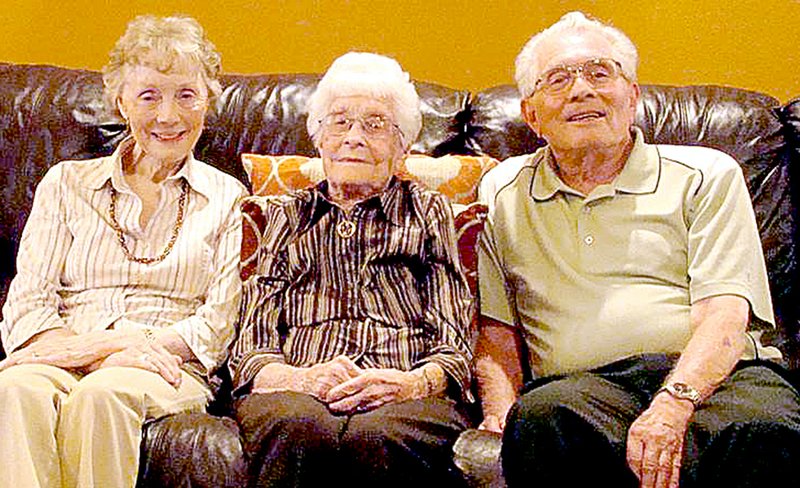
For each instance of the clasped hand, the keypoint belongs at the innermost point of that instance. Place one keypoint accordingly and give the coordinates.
(149, 356)
(95, 350)
(346, 388)
(58, 347)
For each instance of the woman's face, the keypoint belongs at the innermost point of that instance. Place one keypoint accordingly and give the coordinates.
(360, 144)
(165, 111)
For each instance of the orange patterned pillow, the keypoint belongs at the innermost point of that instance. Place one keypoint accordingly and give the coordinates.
(252, 230)
(469, 224)
(457, 177)
(279, 175)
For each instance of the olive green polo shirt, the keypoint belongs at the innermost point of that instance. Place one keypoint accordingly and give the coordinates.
(591, 279)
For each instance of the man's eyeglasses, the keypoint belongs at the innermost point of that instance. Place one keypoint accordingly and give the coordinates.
(373, 125)
(598, 73)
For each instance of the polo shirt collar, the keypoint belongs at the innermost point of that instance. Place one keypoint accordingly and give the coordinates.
(546, 182)
(640, 174)
(642, 170)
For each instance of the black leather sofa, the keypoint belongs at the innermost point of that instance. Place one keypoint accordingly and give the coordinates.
(49, 114)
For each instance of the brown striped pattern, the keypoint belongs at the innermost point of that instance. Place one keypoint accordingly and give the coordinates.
(391, 296)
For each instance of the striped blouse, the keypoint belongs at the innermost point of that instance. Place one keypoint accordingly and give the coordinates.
(72, 273)
(391, 295)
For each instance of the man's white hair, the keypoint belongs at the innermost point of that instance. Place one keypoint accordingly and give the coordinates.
(370, 75)
(529, 66)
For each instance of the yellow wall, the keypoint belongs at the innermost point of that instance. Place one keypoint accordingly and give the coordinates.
(467, 44)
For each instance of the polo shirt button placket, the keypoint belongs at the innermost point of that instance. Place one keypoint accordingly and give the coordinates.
(589, 240)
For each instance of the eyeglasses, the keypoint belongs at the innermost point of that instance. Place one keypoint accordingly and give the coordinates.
(374, 125)
(598, 73)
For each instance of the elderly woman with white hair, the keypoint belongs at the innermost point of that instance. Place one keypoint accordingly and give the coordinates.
(353, 361)
(127, 287)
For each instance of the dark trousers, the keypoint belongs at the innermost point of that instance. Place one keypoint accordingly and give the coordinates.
(293, 440)
(571, 431)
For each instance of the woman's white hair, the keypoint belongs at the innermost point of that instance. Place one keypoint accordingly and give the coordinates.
(166, 44)
(370, 75)
(529, 66)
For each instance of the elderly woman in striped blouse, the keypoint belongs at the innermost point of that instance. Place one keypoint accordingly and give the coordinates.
(353, 359)
(127, 287)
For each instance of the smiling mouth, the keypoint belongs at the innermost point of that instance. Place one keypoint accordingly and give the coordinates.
(585, 116)
(169, 137)
(352, 161)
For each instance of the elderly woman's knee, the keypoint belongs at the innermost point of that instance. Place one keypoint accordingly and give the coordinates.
(23, 392)
(105, 387)
(27, 381)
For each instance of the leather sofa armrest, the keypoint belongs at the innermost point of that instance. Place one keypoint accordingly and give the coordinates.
(477, 454)
(192, 449)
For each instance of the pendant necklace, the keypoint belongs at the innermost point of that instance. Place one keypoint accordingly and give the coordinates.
(346, 229)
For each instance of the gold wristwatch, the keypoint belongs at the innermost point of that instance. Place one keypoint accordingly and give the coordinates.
(681, 391)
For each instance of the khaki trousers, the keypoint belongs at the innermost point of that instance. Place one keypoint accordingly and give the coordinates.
(58, 429)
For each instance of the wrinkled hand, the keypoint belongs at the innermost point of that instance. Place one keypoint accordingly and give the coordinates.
(374, 388)
(655, 442)
(320, 379)
(151, 357)
(71, 351)
(315, 380)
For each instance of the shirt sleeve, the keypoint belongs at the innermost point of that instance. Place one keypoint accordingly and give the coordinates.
(494, 297)
(211, 329)
(724, 248)
(261, 311)
(448, 305)
(33, 301)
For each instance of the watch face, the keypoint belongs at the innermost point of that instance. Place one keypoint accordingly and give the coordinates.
(682, 390)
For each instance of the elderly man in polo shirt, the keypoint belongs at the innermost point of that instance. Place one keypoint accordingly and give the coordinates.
(625, 276)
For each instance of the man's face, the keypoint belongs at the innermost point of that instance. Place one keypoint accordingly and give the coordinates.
(582, 116)
(357, 155)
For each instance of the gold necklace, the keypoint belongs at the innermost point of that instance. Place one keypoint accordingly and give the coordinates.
(175, 230)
